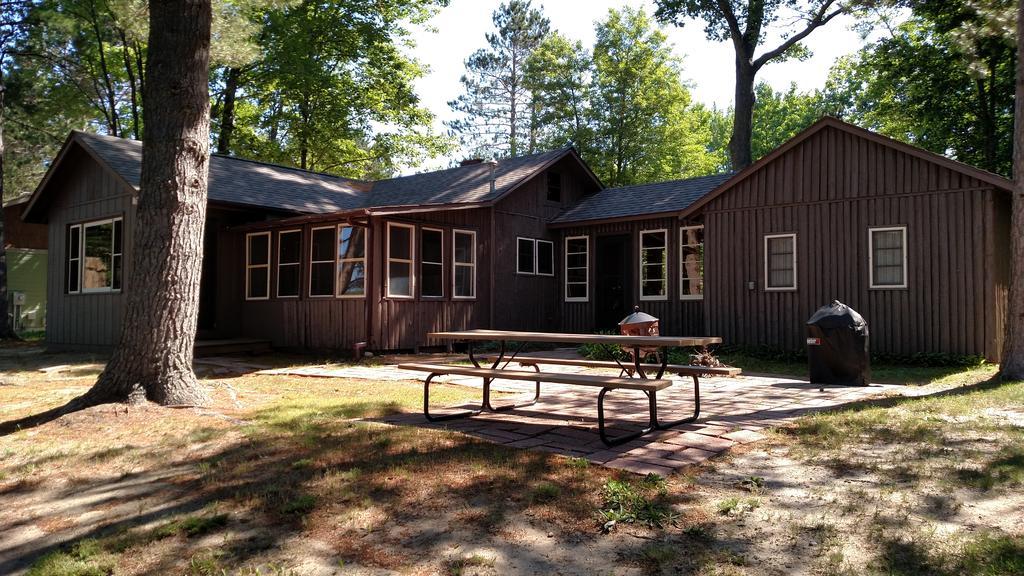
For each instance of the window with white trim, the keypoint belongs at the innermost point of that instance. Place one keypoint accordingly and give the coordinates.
(432, 263)
(95, 260)
(535, 257)
(780, 262)
(691, 263)
(545, 257)
(289, 263)
(257, 266)
(887, 253)
(351, 261)
(577, 269)
(464, 264)
(323, 258)
(654, 264)
(526, 257)
(73, 260)
(401, 259)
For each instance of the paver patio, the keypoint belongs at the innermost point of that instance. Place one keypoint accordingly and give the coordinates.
(564, 421)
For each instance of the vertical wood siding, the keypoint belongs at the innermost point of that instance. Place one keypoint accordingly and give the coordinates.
(87, 192)
(677, 317)
(830, 190)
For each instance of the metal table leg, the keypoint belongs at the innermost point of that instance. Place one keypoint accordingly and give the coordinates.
(426, 405)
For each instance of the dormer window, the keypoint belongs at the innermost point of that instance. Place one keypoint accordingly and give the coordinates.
(554, 187)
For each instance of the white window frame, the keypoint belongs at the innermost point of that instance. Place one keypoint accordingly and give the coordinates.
(682, 238)
(871, 257)
(767, 286)
(74, 229)
(586, 267)
(334, 260)
(423, 261)
(84, 226)
(640, 265)
(533, 255)
(471, 265)
(411, 262)
(536, 257)
(339, 263)
(249, 266)
(298, 287)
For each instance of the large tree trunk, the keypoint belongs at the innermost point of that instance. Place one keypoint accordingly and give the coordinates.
(1012, 367)
(154, 355)
(743, 114)
(227, 113)
(6, 327)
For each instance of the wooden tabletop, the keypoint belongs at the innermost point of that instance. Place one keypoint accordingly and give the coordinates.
(557, 338)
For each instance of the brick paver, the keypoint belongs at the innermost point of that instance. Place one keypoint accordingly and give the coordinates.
(734, 411)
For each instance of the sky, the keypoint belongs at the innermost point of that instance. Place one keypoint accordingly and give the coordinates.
(707, 66)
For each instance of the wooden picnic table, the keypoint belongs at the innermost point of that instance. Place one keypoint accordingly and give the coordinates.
(504, 337)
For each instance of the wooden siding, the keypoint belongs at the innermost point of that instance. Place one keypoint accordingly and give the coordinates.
(527, 302)
(86, 192)
(677, 317)
(830, 190)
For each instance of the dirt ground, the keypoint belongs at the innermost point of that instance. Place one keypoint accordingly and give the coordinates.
(283, 476)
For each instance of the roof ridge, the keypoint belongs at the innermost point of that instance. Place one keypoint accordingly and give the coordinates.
(689, 179)
(476, 165)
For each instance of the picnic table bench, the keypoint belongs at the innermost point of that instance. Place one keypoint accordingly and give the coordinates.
(636, 379)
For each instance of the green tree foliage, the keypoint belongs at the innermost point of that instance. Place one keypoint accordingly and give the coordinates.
(624, 104)
(558, 75)
(333, 90)
(943, 80)
(496, 108)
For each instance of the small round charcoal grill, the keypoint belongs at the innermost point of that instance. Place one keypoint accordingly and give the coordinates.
(639, 324)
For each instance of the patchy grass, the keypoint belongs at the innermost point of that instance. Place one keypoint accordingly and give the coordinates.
(284, 475)
(882, 373)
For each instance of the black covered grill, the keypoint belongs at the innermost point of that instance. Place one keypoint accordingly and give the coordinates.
(837, 346)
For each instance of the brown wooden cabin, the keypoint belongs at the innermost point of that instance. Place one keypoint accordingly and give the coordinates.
(271, 271)
(914, 241)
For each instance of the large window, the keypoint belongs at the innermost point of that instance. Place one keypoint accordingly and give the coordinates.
(577, 269)
(257, 266)
(535, 257)
(654, 265)
(432, 263)
(322, 261)
(691, 262)
(464, 262)
(94, 261)
(780, 262)
(351, 262)
(289, 263)
(888, 257)
(400, 260)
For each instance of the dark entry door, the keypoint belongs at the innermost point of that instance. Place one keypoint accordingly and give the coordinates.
(612, 292)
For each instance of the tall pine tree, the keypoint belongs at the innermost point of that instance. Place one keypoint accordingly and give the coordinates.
(497, 108)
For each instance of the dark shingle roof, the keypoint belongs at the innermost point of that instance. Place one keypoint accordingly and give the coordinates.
(461, 184)
(237, 181)
(246, 182)
(641, 199)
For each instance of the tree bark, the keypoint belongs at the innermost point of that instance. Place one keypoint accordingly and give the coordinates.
(6, 327)
(743, 114)
(227, 112)
(154, 354)
(1012, 367)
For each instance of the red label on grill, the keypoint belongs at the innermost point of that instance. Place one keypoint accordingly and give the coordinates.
(814, 341)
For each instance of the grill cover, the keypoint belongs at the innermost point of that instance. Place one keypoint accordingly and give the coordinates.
(837, 346)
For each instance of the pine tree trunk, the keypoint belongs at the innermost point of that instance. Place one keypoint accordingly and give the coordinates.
(6, 327)
(1012, 367)
(743, 116)
(154, 354)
